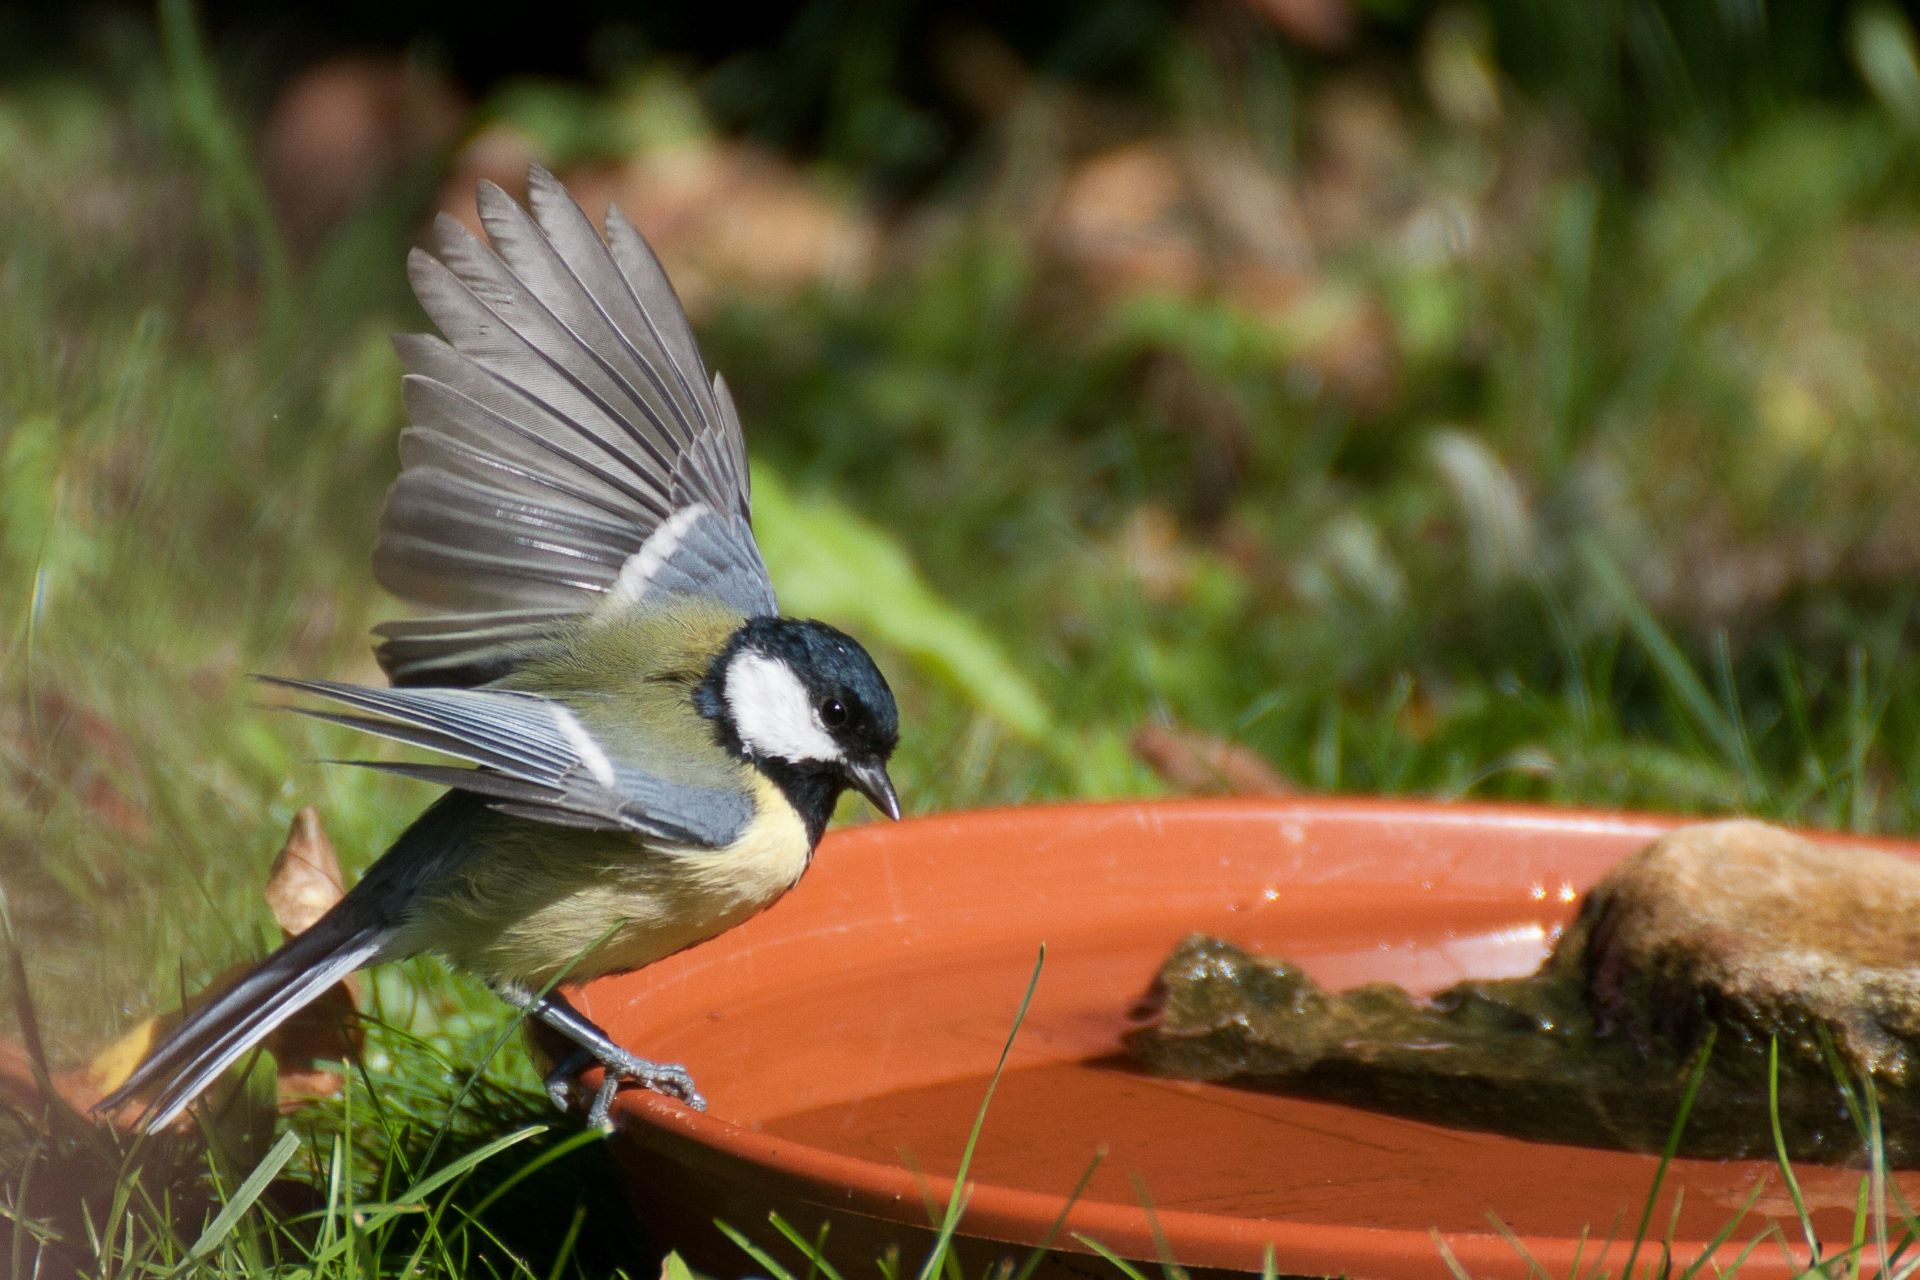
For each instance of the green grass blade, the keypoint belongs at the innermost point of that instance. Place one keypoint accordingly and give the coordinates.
(773, 1269)
(243, 1197)
(1876, 1167)
(1862, 1210)
(1694, 1081)
(1780, 1156)
(1771, 1231)
(1681, 679)
(212, 129)
(568, 1242)
(1673, 1228)
(1843, 1078)
(1119, 1263)
(1725, 1233)
(500, 1042)
(24, 1013)
(951, 1222)
(1447, 1257)
(1162, 1247)
(420, 1191)
(1039, 1252)
(559, 1151)
(814, 1250)
(1519, 1246)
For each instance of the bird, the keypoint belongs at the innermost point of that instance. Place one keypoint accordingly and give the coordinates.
(648, 750)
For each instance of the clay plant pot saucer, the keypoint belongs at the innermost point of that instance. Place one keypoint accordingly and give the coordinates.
(845, 1038)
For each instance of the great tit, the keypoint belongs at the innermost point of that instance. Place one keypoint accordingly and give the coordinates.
(655, 750)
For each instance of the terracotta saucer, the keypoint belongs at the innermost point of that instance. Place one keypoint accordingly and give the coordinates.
(846, 1036)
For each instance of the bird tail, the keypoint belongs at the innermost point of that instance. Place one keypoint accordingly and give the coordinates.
(231, 1023)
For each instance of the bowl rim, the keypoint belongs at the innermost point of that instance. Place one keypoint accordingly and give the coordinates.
(872, 1189)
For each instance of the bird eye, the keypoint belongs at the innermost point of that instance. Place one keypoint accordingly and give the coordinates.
(833, 713)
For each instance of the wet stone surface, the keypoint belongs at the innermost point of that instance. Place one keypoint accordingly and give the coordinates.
(1734, 931)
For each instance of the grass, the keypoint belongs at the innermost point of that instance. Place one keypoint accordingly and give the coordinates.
(1617, 512)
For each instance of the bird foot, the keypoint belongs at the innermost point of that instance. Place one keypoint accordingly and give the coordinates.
(669, 1078)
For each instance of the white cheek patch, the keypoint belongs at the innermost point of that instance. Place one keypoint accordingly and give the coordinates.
(772, 712)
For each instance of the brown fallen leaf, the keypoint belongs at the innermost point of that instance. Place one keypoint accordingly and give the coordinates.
(105, 1070)
(342, 127)
(1361, 162)
(304, 884)
(1156, 558)
(1357, 357)
(82, 1086)
(19, 1087)
(1204, 216)
(1191, 761)
(731, 217)
(1125, 219)
(724, 217)
(305, 880)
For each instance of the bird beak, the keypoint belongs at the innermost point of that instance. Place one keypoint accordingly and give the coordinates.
(870, 780)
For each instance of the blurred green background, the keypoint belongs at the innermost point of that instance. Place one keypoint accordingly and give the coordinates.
(1477, 400)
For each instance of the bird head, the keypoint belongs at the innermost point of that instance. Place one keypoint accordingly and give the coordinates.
(804, 702)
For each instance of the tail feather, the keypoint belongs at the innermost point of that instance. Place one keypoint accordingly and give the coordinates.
(361, 929)
(220, 1031)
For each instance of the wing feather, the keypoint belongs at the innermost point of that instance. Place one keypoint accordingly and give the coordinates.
(485, 647)
(647, 284)
(532, 754)
(531, 258)
(565, 417)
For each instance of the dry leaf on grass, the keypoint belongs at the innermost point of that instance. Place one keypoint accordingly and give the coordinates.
(1191, 761)
(730, 217)
(342, 127)
(1155, 556)
(305, 883)
(1125, 219)
(84, 1085)
(724, 217)
(1204, 216)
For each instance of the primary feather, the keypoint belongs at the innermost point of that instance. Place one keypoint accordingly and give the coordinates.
(564, 420)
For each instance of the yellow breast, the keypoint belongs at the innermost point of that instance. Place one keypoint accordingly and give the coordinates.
(553, 900)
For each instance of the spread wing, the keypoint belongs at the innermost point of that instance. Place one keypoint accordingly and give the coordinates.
(568, 457)
(534, 759)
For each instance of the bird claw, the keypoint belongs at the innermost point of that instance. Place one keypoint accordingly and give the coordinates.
(559, 1081)
(669, 1078)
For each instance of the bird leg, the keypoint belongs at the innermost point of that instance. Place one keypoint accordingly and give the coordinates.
(557, 1012)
